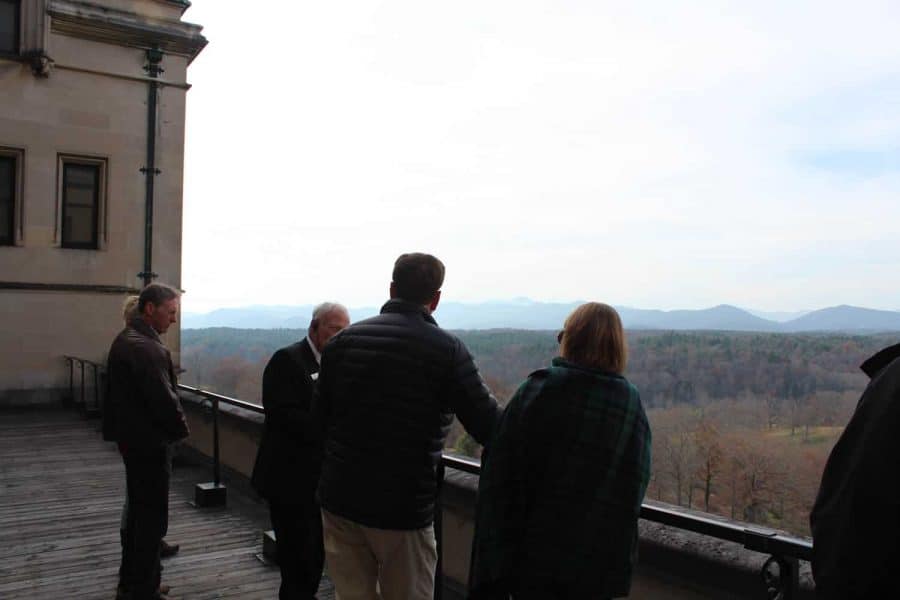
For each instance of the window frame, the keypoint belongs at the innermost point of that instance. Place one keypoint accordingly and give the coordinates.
(99, 212)
(17, 29)
(17, 155)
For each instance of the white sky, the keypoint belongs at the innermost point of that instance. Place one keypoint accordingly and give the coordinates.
(653, 154)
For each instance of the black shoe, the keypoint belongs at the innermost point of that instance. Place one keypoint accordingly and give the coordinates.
(160, 594)
(166, 550)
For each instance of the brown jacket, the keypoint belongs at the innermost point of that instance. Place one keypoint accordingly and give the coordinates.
(141, 410)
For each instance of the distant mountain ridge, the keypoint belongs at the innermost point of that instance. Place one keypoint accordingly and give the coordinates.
(847, 318)
(527, 314)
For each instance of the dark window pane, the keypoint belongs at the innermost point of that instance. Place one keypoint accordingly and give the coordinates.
(81, 187)
(7, 199)
(9, 26)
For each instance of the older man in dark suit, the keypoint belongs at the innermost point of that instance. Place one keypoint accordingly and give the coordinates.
(290, 454)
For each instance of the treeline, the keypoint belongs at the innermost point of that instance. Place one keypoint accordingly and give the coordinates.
(668, 368)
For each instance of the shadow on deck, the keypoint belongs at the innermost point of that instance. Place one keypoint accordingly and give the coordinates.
(61, 494)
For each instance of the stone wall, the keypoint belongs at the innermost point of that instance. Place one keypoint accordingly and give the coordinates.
(91, 102)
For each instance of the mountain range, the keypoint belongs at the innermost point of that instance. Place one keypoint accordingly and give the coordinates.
(523, 313)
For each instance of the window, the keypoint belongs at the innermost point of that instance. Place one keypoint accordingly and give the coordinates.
(9, 26)
(10, 196)
(8, 172)
(82, 183)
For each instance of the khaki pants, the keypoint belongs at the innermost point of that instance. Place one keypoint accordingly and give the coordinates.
(374, 564)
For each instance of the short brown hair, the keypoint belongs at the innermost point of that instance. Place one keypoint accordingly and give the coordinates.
(156, 294)
(417, 277)
(593, 337)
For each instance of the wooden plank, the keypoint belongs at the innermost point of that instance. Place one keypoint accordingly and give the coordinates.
(61, 495)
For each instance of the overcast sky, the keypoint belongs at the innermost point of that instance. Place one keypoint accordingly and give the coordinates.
(654, 154)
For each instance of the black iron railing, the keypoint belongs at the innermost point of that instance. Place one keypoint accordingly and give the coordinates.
(214, 493)
(780, 572)
(93, 408)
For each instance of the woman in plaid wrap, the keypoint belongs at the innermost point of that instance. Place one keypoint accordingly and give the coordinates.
(562, 483)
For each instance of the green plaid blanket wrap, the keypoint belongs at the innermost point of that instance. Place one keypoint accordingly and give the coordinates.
(561, 487)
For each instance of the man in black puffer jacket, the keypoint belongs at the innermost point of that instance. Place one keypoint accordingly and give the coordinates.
(388, 389)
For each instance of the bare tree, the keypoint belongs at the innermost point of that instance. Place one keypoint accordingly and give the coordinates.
(710, 458)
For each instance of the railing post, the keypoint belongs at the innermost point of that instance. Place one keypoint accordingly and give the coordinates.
(213, 493)
(439, 532)
(71, 398)
(216, 464)
(96, 389)
(83, 402)
(94, 410)
(781, 575)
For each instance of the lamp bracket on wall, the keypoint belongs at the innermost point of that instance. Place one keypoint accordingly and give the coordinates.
(154, 57)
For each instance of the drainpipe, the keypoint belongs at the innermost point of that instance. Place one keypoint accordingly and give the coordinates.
(154, 57)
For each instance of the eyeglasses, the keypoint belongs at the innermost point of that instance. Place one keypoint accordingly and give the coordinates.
(559, 337)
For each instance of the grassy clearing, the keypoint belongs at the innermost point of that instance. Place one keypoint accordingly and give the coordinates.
(816, 435)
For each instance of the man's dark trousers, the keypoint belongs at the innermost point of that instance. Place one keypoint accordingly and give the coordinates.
(147, 483)
(298, 534)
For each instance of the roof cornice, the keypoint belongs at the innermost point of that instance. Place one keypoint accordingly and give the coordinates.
(112, 26)
(182, 4)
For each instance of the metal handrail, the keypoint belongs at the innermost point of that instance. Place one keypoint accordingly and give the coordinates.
(784, 550)
(223, 399)
(752, 537)
(780, 571)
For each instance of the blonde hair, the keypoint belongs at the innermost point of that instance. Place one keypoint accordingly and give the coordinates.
(130, 308)
(593, 337)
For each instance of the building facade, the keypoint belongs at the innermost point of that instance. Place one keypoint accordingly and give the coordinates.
(92, 112)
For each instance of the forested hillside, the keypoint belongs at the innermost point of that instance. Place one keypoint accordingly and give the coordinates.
(668, 368)
(742, 422)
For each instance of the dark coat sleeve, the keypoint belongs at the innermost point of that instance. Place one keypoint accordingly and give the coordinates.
(289, 458)
(110, 407)
(855, 520)
(470, 398)
(158, 383)
(501, 509)
(287, 398)
(321, 401)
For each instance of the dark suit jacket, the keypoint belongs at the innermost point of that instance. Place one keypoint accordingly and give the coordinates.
(290, 452)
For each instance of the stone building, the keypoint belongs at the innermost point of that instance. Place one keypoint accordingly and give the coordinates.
(92, 113)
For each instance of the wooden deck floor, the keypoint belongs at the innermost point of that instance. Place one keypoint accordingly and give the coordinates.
(61, 494)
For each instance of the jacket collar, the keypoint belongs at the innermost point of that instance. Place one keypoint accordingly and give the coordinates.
(310, 349)
(397, 305)
(141, 326)
(880, 360)
(561, 362)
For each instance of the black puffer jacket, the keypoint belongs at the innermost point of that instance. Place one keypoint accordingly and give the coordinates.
(388, 390)
(141, 410)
